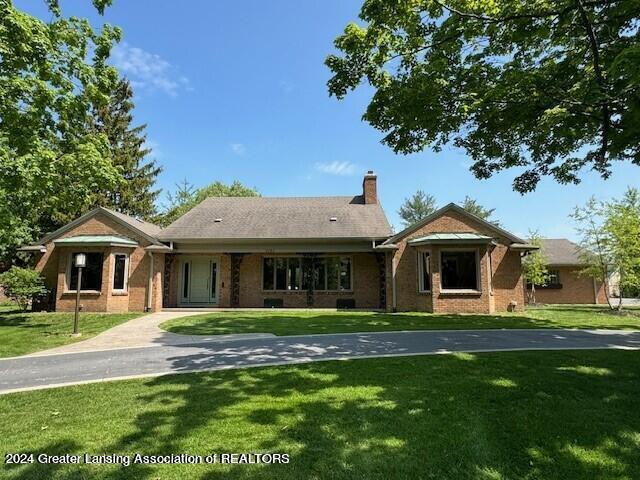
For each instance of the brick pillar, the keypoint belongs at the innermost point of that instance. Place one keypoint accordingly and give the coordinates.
(169, 260)
(308, 263)
(236, 260)
(381, 258)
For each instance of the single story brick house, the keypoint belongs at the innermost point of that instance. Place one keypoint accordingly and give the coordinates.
(565, 285)
(309, 252)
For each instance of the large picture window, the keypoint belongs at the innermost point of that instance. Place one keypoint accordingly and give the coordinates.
(424, 272)
(459, 270)
(91, 273)
(285, 274)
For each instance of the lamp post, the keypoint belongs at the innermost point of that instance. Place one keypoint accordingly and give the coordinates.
(80, 261)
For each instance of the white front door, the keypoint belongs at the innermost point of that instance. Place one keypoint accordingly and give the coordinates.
(199, 281)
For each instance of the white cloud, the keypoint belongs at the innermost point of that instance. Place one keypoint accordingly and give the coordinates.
(148, 71)
(336, 168)
(238, 148)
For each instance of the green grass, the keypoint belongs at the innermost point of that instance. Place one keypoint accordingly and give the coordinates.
(308, 322)
(517, 415)
(22, 333)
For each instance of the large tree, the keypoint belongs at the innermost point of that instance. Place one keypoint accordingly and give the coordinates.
(186, 196)
(51, 74)
(417, 207)
(545, 87)
(135, 194)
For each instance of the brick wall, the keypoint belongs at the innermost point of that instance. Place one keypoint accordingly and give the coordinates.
(575, 289)
(54, 262)
(495, 292)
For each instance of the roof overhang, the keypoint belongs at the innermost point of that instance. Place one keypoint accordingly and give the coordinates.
(159, 248)
(95, 241)
(523, 247)
(33, 248)
(450, 238)
(274, 246)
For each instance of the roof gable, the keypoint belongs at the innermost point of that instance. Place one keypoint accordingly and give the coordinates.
(461, 211)
(146, 230)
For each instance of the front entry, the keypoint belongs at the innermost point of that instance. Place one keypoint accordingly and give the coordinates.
(198, 281)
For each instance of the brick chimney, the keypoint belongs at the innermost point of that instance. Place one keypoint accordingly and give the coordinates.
(369, 188)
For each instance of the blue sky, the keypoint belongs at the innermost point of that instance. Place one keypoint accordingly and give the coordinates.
(237, 90)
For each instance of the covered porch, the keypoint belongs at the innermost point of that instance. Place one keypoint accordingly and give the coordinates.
(200, 279)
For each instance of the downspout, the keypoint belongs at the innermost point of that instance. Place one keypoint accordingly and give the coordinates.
(595, 291)
(150, 283)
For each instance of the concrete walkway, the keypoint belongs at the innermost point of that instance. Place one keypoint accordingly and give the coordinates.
(37, 372)
(144, 331)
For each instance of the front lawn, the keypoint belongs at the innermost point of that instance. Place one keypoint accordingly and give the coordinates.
(516, 415)
(308, 322)
(22, 333)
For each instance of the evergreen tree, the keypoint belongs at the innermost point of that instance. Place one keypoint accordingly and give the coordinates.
(136, 194)
(417, 207)
(473, 207)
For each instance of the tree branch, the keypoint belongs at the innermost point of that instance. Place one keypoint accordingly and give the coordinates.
(600, 79)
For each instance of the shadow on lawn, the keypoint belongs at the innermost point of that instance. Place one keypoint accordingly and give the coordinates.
(558, 415)
(18, 318)
(344, 322)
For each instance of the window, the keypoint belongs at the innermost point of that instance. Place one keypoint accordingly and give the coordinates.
(424, 272)
(282, 273)
(286, 274)
(332, 274)
(91, 273)
(185, 280)
(553, 277)
(214, 278)
(120, 271)
(459, 270)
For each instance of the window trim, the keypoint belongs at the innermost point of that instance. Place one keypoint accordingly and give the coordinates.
(125, 288)
(301, 290)
(420, 254)
(478, 288)
(67, 276)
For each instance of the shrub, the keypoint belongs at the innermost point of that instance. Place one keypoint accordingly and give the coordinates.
(22, 285)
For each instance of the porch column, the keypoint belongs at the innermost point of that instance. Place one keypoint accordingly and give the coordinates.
(308, 264)
(169, 260)
(236, 260)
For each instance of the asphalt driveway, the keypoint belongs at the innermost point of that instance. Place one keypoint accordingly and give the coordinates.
(35, 372)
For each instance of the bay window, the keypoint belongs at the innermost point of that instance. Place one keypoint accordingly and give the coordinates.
(459, 270)
(120, 272)
(424, 272)
(91, 273)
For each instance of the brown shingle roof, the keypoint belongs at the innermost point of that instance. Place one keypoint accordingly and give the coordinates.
(280, 218)
(560, 251)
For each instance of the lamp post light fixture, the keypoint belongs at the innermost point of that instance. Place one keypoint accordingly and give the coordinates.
(80, 261)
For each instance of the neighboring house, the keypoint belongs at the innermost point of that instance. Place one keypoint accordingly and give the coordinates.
(309, 252)
(565, 285)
